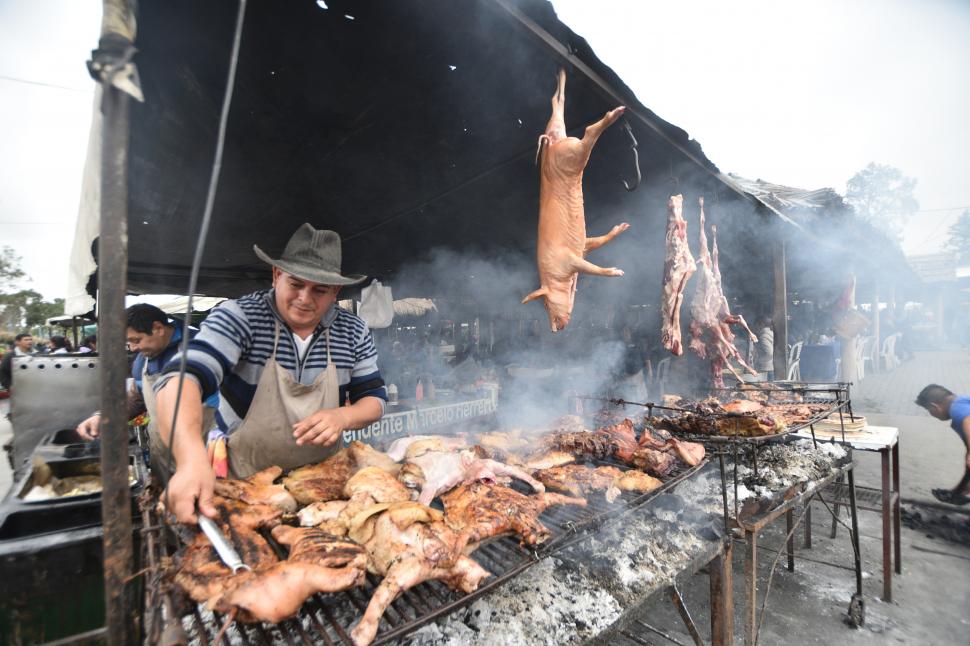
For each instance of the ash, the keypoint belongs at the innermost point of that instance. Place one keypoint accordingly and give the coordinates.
(547, 604)
(781, 466)
(583, 590)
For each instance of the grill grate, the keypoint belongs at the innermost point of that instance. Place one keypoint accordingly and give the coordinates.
(328, 618)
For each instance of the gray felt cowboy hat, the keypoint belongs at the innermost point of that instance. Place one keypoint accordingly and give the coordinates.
(313, 255)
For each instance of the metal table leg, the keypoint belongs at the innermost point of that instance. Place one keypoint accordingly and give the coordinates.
(835, 509)
(896, 513)
(887, 566)
(751, 589)
(685, 615)
(808, 524)
(855, 533)
(790, 543)
(721, 572)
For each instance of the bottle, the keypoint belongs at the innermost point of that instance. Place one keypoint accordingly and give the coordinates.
(392, 394)
(431, 390)
(419, 391)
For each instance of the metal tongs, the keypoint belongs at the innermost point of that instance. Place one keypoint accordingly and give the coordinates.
(224, 548)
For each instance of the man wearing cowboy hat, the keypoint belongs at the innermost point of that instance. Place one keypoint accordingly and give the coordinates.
(283, 360)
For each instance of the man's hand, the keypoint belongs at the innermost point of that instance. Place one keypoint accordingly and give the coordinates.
(192, 483)
(322, 428)
(90, 428)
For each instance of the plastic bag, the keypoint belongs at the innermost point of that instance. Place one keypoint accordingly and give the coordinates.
(376, 305)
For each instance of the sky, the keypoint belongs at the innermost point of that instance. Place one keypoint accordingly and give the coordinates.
(798, 93)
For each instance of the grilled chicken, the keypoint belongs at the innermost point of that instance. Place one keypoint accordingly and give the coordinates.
(407, 543)
(484, 510)
(434, 473)
(579, 480)
(562, 220)
(418, 444)
(258, 489)
(548, 459)
(365, 455)
(318, 562)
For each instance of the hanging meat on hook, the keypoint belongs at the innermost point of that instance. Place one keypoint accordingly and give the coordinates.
(562, 220)
(710, 329)
(678, 268)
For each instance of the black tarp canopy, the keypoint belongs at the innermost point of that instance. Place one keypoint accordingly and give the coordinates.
(406, 126)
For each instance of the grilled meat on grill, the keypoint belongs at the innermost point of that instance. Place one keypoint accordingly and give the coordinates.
(654, 462)
(742, 406)
(579, 480)
(368, 487)
(678, 268)
(322, 481)
(407, 544)
(594, 445)
(631, 481)
(623, 435)
(325, 480)
(417, 444)
(562, 221)
(434, 473)
(484, 510)
(202, 574)
(318, 562)
(548, 459)
(258, 489)
(691, 453)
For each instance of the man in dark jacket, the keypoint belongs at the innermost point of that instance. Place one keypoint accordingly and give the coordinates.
(23, 346)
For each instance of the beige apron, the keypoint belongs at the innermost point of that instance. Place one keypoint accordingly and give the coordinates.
(157, 452)
(265, 437)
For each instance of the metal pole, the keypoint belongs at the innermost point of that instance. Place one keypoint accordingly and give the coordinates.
(108, 62)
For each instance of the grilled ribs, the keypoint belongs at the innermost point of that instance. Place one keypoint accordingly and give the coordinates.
(584, 444)
(482, 510)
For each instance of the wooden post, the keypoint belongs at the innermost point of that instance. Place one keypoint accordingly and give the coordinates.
(780, 312)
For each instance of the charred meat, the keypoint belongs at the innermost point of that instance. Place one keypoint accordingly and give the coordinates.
(483, 510)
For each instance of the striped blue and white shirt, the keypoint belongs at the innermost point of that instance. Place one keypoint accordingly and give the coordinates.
(230, 351)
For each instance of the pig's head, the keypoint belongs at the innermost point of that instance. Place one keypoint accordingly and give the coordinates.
(558, 306)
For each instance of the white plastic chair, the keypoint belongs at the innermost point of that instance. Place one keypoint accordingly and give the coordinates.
(795, 353)
(794, 374)
(662, 367)
(889, 360)
(863, 353)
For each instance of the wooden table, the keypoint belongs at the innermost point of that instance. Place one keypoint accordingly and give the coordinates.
(885, 441)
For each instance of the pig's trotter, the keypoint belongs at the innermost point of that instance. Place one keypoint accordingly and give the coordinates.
(599, 241)
(584, 266)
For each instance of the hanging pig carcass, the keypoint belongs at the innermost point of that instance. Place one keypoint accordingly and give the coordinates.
(562, 220)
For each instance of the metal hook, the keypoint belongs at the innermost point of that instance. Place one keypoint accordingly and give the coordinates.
(636, 156)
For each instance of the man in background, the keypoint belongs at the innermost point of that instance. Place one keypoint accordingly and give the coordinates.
(23, 346)
(944, 405)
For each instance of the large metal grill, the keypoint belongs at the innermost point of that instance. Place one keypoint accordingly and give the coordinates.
(328, 618)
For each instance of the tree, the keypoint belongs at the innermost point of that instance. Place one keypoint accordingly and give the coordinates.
(10, 271)
(26, 308)
(883, 196)
(959, 240)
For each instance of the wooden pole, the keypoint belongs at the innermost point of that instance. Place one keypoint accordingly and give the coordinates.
(780, 312)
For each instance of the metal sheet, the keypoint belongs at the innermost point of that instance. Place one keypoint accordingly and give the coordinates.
(51, 392)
